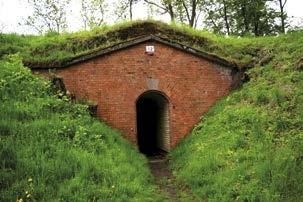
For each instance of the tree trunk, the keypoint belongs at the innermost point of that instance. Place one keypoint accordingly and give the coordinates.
(282, 15)
(226, 18)
(131, 9)
(193, 13)
(171, 12)
(190, 16)
(245, 18)
(187, 12)
(256, 27)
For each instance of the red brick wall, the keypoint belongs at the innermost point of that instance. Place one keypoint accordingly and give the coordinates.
(116, 80)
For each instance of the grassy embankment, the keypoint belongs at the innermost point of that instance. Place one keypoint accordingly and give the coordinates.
(52, 150)
(249, 147)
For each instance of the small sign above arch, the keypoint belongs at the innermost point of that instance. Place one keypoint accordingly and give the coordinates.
(150, 50)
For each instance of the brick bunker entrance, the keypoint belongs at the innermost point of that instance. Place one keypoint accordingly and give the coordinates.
(153, 123)
(155, 98)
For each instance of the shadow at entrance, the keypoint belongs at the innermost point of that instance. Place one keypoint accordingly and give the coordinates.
(152, 122)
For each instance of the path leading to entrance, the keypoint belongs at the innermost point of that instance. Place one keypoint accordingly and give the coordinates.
(163, 176)
(166, 181)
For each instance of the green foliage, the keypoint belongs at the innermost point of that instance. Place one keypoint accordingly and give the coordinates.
(52, 150)
(249, 146)
(93, 13)
(48, 15)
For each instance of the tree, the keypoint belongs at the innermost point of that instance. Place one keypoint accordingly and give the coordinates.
(192, 10)
(184, 11)
(254, 17)
(92, 13)
(48, 15)
(226, 7)
(240, 17)
(124, 9)
(164, 6)
(283, 15)
(218, 15)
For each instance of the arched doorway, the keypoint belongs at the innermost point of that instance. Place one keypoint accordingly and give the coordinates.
(153, 123)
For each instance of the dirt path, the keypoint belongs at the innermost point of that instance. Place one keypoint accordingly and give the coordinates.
(166, 181)
(163, 176)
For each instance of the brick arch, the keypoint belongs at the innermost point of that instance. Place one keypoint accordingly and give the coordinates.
(154, 91)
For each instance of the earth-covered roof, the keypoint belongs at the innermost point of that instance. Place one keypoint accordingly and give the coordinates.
(122, 45)
(57, 51)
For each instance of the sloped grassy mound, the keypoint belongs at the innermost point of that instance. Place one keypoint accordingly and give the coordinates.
(249, 147)
(54, 50)
(52, 150)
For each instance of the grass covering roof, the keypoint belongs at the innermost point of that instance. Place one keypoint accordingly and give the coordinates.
(52, 50)
(247, 148)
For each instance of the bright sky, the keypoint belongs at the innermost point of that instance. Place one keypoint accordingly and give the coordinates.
(12, 12)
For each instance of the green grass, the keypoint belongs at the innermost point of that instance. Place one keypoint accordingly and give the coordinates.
(52, 150)
(249, 147)
(55, 50)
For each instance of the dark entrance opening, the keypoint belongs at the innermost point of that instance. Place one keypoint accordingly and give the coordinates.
(153, 123)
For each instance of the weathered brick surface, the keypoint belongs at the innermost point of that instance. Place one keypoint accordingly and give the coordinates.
(192, 85)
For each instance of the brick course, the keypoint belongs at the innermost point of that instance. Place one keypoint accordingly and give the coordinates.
(116, 80)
